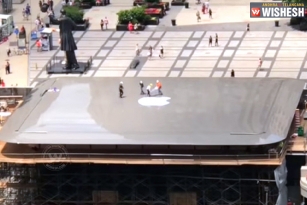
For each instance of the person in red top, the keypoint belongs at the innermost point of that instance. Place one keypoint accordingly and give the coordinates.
(130, 27)
(2, 83)
(159, 86)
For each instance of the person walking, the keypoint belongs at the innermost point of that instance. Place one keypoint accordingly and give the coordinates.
(260, 63)
(198, 18)
(106, 22)
(8, 52)
(7, 68)
(247, 27)
(101, 24)
(148, 89)
(137, 50)
(150, 52)
(216, 40)
(161, 52)
(210, 13)
(142, 87)
(232, 74)
(210, 41)
(121, 89)
(159, 86)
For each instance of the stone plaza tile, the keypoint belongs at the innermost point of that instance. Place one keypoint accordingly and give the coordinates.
(221, 34)
(279, 34)
(235, 64)
(181, 34)
(223, 64)
(78, 34)
(117, 34)
(103, 53)
(262, 74)
(239, 34)
(259, 34)
(152, 73)
(207, 53)
(110, 43)
(171, 53)
(275, 43)
(180, 63)
(198, 34)
(96, 63)
(186, 53)
(44, 54)
(131, 73)
(305, 65)
(151, 43)
(266, 64)
(196, 74)
(296, 34)
(38, 63)
(171, 44)
(270, 53)
(116, 63)
(97, 34)
(240, 74)
(122, 53)
(205, 44)
(294, 44)
(174, 74)
(295, 65)
(192, 43)
(248, 43)
(228, 53)
(87, 43)
(291, 53)
(158, 34)
(70, 75)
(201, 64)
(143, 34)
(43, 75)
(100, 73)
(283, 74)
(233, 43)
(88, 74)
(131, 43)
(249, 53)
(159, 63)
(34, 74)
(218, 74)
(112, 68)
(303, 75)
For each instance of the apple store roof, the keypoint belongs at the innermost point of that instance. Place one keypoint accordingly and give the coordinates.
(192, 111)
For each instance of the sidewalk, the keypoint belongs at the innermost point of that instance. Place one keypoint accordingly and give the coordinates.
(19, 63)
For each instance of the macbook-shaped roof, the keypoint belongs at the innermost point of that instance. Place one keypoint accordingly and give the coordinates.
(192, 111)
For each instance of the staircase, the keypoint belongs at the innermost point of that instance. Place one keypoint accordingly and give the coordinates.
(297, 119)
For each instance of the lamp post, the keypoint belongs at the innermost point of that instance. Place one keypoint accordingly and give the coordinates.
(266, 189)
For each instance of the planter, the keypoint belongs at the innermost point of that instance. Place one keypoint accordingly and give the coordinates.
(135, 3)
(85, 5)
(178, 2)
(153, 21)
(154, 12)
(83, 26)
(124, 27)
(163, 5)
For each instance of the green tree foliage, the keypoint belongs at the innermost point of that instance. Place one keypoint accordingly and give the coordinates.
(75, 13)
(135, 15)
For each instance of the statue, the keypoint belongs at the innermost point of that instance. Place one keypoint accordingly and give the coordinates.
(67, 41)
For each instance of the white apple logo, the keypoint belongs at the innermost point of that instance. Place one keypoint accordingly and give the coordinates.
(154, 101)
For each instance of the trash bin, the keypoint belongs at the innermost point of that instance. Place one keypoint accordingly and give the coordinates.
(276, 23)
(173, 22)
(47, 25)
(300, 131)
(186, 4)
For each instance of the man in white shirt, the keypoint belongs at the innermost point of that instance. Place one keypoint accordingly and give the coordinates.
(105, 22)
(137, 50)
(148, 89)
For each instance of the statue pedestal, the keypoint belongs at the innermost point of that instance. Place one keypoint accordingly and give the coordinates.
(56, 67)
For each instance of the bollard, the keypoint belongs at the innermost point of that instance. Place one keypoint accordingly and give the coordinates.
(36, 66)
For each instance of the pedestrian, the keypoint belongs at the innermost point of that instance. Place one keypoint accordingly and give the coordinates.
(159, 86)
(247, 27)
(121, 89)
(216, 40)
(148, 89)
(39, 45)
(136, 26)
(130, 27)
(106, 22)
(260, 63)
(40, 3)
(207, 6)
(161, 52)
(8, 52)
(51, 5)
(232, 74)
(7, 68)
(150, 52)
(137, 50)
(198, 18)
(28, 10)
(210, 13)
(101, 24)
(210, 41)
(142, 87)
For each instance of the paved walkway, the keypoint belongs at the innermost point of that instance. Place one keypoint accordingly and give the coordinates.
(187, 54)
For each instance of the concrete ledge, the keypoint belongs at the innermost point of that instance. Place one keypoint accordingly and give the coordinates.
(18, 1)
(303, 182)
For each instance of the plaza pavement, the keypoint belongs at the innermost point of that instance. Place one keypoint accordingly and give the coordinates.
(186, 54)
